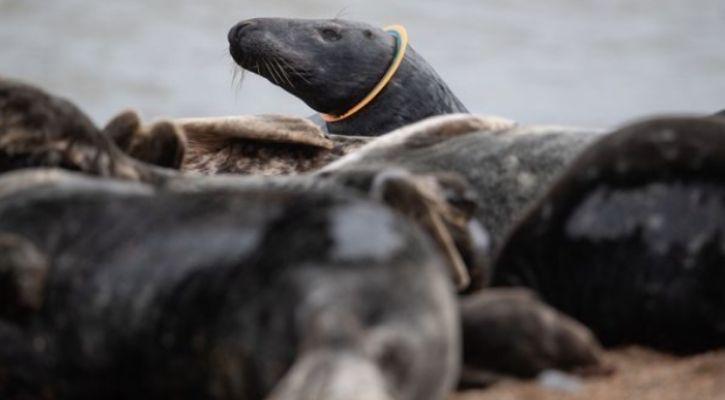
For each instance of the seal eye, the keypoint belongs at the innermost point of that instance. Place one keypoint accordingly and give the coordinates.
(368, 33)
(330, 34)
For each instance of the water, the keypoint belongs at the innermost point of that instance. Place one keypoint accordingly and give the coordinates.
(576, 62)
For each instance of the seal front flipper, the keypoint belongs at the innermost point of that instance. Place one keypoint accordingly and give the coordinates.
(509, 332)
(162, 144)
(23, 272)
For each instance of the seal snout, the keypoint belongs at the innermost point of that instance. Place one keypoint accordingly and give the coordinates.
(238, 30)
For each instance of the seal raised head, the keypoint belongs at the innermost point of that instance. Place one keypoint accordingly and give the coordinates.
(332, 65)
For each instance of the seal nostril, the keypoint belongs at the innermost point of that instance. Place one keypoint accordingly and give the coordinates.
(237, 30)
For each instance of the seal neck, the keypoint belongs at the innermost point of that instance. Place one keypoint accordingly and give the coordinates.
(401, 44)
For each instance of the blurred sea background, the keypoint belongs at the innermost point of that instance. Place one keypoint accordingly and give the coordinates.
(574, 62)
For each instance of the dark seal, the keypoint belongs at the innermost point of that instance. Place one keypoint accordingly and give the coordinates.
(115, 290)
(333, 64)
(630, 240)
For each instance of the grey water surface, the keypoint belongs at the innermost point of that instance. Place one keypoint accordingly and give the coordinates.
(573, 62)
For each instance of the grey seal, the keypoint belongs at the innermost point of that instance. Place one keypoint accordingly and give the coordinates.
(333, 64)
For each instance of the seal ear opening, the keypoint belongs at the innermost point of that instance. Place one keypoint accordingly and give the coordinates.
(23, 272)
(332, 375)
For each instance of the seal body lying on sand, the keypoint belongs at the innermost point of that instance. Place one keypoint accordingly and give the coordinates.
(217, 293)
(439, 202)
(508, 166)
(334, 64)
(630, 239)
(225, 295)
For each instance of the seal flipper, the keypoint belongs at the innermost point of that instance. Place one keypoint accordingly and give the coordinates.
(510, 332)
(446, 216)
(266, 145)
(263, 128)
(123, 128)
(23, 271)
(161, 144)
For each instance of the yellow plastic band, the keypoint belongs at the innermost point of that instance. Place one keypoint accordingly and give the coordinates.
(401, 36)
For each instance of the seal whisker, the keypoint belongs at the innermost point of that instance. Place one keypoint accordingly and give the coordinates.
(269, 71)
(235, 72)
(273, 72)
(263, 64)
(282, 71)
(294, 70)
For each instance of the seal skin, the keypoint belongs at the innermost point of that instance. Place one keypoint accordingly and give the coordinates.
(333, 64)
(223, 295)
(629, 240)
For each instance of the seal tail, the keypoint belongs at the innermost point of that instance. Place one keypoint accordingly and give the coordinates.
(332, 375)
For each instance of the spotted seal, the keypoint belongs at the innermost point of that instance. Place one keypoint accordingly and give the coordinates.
(630, 239)
(332, 65)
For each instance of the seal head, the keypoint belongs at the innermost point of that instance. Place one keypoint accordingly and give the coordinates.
(333, 64)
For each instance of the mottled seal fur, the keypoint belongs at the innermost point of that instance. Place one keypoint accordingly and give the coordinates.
(508, 166)
(260, 145)
(268, 145)
(630, 239)
(38, 129)
(333, 64)
(219, 294)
